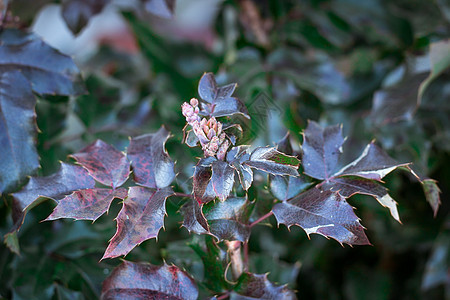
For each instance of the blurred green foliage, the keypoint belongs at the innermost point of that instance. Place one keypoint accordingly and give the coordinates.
(359, 63)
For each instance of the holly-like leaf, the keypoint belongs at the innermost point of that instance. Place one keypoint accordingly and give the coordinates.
(222, 179)
(323, 212)
(152, 166)
(223, 104)
(257, 286)
(68, 179)
(348, 186)
(270, 160)
(194, 219)
(286, 187)
(440, 62)
(160, 8)
(18, 156)
(373, 164)
(214, 262)
(27, 64)
(77, 13)
(140, 219)
(228, 220)
(105, 163)
(321, 150)
(202, 185)
(145, 281)
(87, 204)
(432, 192)
(236, 156)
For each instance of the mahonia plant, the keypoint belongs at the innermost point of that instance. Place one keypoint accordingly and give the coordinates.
(218, 207)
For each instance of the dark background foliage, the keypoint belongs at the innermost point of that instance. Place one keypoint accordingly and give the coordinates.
(380, 68)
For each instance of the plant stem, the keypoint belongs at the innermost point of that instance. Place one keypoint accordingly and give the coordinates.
(261, 219)
(223, 296)
(234, 250)
(246, 256)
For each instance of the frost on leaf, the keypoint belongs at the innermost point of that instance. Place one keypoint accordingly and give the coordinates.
(322, 212)
(105, 163)
(145, 281)
(140, 219)
(152, 166)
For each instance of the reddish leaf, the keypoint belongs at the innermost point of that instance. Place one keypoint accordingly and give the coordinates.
(321, 150)
(222, 179)
(323, 212)
(349, 186)
(373, 163)
(270, 160)
(152, 166)
(87, 204)
(194, 219)
(257, 286)
(228, 220)
(202, 185)
(146, 281)
(140, 219)
(106, 164)
(68, 179)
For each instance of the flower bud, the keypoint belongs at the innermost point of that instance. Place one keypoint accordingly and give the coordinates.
(194, 102)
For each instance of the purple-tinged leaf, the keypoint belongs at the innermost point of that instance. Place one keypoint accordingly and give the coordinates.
(222, 179)
(87, 204)
(321, 150)
(286, 187)
(48, 71)
(140, 219)
(207, 87)
(228, 107)
(194, 219)
(77, 13)
(160, 8)
(152, 166)
(432, 192)
(272, 161)
(202, 185)
(18, 129)
(322, 212)
(373, 164)
(257, 286)
(68, 179)
(220, 98)
(105, 163)
(145, 281)
(349, 186)
(245, 175)
(228, 220)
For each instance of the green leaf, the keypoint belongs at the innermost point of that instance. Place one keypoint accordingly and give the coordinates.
(432, 194)
(440, 61)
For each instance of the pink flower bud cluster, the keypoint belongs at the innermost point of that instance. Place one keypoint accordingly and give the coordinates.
(209, 132)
